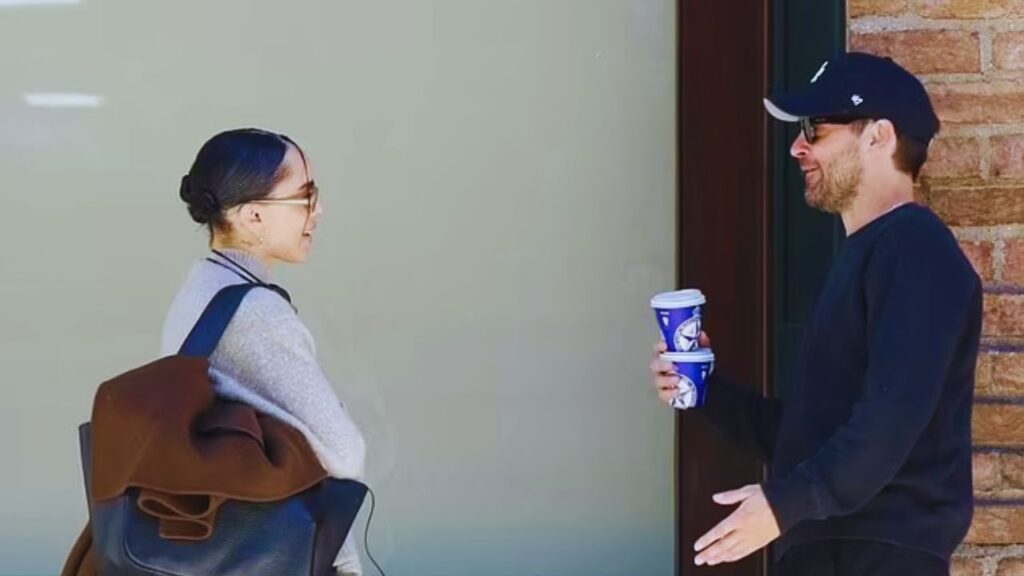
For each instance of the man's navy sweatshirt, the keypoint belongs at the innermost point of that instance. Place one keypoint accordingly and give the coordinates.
(873, 440)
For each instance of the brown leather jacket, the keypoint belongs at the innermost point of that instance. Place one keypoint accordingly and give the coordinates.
(161, 429)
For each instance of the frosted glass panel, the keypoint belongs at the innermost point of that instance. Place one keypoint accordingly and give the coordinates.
(499, 182)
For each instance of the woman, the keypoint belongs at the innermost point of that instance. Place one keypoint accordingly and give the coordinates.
(254, 192)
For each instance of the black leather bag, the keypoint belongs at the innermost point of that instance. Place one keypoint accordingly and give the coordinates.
(300, 535)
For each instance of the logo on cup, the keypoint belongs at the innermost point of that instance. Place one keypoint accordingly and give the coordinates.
(688, 332)
(687, 395)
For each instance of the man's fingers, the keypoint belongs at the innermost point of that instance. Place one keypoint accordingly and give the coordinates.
(739, 551)
(704, 340)
(735, 496)
(715, 534)
(721, 551)
(662, 367)
(748, 528)
(667, 396)
(667, 382)
(729, 549)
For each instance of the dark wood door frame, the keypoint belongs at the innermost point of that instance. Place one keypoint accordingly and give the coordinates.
(745, 236)
(724, 241)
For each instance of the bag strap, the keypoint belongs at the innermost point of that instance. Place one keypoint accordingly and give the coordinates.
(207, 332)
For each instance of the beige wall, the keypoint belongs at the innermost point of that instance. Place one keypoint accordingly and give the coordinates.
(499, 181)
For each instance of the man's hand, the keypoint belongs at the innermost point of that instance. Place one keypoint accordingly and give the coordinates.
(748, 529)
(666, 381)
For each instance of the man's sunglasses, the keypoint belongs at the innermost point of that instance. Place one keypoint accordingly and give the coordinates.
(808, 126)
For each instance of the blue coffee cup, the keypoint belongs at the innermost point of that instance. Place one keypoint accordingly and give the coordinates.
(679, 318)
(693, 369)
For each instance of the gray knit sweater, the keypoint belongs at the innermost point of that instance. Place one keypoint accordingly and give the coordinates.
(267, 359)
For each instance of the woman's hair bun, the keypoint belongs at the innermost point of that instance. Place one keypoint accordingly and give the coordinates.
(202, 202)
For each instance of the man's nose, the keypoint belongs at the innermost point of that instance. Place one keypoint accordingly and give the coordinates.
(800, 147)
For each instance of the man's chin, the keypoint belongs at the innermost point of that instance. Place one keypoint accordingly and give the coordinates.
(812, 198)
(815, 201)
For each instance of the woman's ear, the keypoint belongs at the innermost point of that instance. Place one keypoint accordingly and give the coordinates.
(245, 220)
(250, 214)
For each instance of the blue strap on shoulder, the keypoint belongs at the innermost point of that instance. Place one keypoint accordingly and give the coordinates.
(207, 332)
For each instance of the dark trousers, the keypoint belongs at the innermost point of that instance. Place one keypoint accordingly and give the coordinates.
(858, 558)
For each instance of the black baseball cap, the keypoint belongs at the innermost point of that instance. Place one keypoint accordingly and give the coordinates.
(859, 85)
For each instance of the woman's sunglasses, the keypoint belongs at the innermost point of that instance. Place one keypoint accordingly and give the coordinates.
(309, 199)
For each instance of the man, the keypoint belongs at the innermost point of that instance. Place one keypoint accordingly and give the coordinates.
(871, 450)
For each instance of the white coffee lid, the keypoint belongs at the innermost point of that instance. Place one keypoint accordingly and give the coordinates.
(698, 355)
(678, 299)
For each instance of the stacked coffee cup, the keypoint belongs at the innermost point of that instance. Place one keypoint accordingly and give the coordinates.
(679, 318)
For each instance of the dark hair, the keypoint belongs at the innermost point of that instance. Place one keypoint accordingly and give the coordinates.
(910, 154)
(232, 168)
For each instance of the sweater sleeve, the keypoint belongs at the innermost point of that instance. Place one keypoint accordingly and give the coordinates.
(919, 290)
(743, 416)
(271, 358)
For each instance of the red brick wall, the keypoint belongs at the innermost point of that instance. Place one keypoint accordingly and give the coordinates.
(970, 55)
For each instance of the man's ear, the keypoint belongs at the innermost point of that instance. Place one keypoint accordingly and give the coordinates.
(882, 134)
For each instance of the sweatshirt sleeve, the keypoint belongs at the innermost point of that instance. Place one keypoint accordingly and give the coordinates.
(919, 290)
(743, 416)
